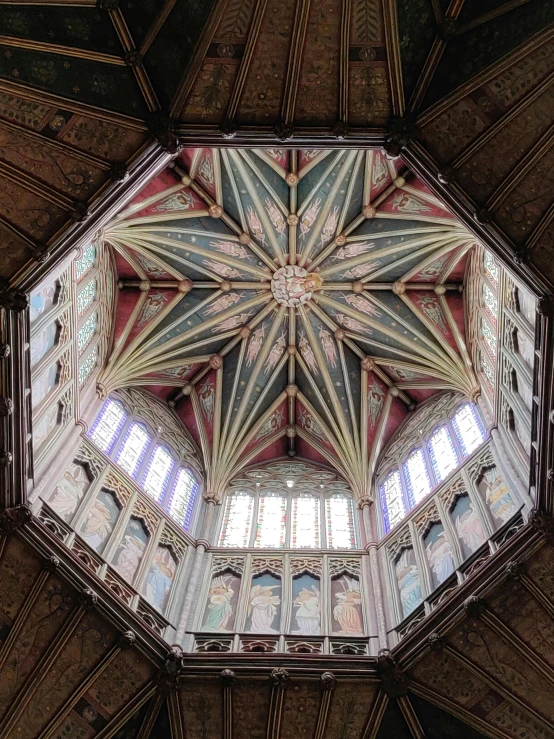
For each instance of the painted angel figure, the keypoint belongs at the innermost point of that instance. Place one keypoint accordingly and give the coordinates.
(222, 303)
(375, 397)
(498, 497)
(230, 248)
(153, 305)
(408, 583)
(232, 322)
(178, 201)
(206, 171)
(352, 250)
(345, 611)
(308, 219)
(361, 304)
(98, 525)
(270, 425)
(441, 559)
(379, 172)
(470, 529)
(255, 225)
(330, 226)
(69, 491)
(220, 608)
(308, 422)
(207, 399)
(151, 267)
(430, 306)
(263, 608)
(129, 556)
(308, 354)
(221, 269)
(275, 216)
(409, 204)
(328, 345)
(352, 324)
(360, 270)
(160, 578)
(256, 341)
(275, 354)
(308, 615)
(433, 269)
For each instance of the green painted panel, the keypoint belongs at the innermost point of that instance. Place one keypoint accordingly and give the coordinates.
(139, 15)
(417, 28)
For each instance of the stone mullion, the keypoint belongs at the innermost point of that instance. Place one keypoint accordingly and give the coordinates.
(499, 688)
(44, 665)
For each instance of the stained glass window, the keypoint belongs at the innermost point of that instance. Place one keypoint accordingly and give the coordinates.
(87, 365)
(490, 337)
(392, 501)
(491, 268)
(270, 530)
(305, 521)
(443, 454)
(182, 497)
(158, 471)
(108, 425)
(237, 520)
(86, 332)
(491, 303)
(85, 263)
(417, 477)
(86, 296)
(468, 428)
(340, 522)
(134, 446)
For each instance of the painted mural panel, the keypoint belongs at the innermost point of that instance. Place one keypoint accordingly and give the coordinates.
(264, 605)
(43, 300)
(160, 577)
(439, 554)
(100, 521)
(43, 342)
(346, 598)
(131, 550)
(45, 426)
(306, 605)
(497, 496)
(468, 525)
(70, 491)
(221, 607)
(44, 384)
(407, 577)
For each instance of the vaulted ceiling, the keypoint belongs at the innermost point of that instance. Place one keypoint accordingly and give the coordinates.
(461, 87)
(73, 665)
(289, 302)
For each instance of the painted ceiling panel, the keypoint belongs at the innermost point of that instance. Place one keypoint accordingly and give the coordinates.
(273, 293)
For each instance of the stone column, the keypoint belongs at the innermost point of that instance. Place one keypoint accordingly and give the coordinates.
(371, 548)
(201, 547)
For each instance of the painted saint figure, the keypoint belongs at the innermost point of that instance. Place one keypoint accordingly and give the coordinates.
(308, 615)
(219, 609)
(497, 495)
(345, 610)
(408, 582)
(470, 529)
(441, 559)
(69, 491)
(160, 578)
(263, 609)
(100, 521)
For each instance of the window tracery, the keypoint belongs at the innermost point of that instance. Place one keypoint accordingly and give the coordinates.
(141, 452)
(420, 460)
(288, 503)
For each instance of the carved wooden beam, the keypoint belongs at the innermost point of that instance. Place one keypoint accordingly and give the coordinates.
(227, 679)
(125, 713)
(328, 684)
(380, 703)
(145, 731)
(279, 677)
(410, 717)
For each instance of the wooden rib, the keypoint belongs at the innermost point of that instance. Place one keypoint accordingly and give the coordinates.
(323, 713)
(394, 61)
(491, 15)
(498, 687)
(126, 712)
(543, 225)
(296, 50)
(380, 703)
(126, 40)
(43, 666)
(40, 189)
(22, 614)
(538, 594)
(52, 3)
(410, 717)
(344, 59)
(253, 33)
(59, 101)
(53, 725)
(521, 169)
(70, 51)
(176, 719)
(427, 73)
(197, 61)
(17, 233)
(509, 59)
(275, 713)
(145, 731)
(156, 26)
(469, 717)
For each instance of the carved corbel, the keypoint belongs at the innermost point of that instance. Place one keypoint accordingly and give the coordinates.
(162, 127)
(12, 299)
(394, 680)
(12, 519)
(402, 131)
(543, 523)
(170, 674)
(475, 606)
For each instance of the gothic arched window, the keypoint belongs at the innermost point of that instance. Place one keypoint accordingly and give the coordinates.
(423, 464)
(141, 452)
(288, 510)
